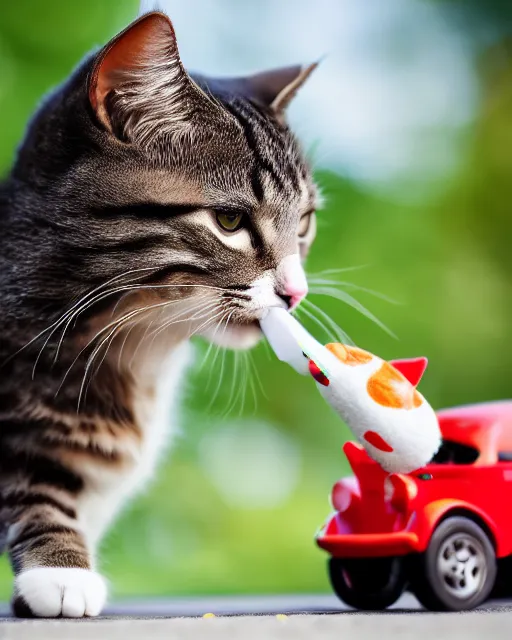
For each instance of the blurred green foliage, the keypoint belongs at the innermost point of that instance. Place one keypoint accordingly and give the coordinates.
(446, 260)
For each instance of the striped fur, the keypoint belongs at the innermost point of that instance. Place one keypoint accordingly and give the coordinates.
(111, 257)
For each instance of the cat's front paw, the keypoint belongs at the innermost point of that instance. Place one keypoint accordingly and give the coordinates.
(53, 592)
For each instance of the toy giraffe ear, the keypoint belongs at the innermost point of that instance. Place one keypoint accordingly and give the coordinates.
(412, 368)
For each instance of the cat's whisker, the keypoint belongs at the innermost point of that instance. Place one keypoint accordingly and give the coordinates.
(339, 333)
(209, 350)
(223, 361)
(90, 361)
(212, 344)
(326, 272)
(76, 304)
(243, 386)
(195, 316)
(308, 314)
(221, 377)
(266, 346)
(350, 285)
(182, 316)
(108, 342)
(207, 322)
(185, 311)
(112, 335)
(86, 302)
(234, 380)
(114, 323)
(331, 329)
(73, 319)
(258, 378)
(213, 397)
(252, 369)
(239, 396)
(63, 317)
(118, 325)
(68, 319)
(199, 306)
(168, 322)
(121, 299)
(130, 288)
(99, 364)
(141, 340)
(248, 384)
(225, 319)
(348, 299)
(46, 342)
(121, 349)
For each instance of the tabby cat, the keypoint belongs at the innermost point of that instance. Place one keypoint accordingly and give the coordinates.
(145, 205)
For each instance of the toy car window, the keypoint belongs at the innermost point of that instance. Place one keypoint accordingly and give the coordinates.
(505, 456)
(451, 452)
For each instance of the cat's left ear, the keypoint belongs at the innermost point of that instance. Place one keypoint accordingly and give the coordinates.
(277, 88)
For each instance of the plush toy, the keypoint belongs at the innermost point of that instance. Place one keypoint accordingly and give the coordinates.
(377, 399)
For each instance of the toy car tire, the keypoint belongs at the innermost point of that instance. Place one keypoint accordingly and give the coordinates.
(458, 570)
(369, 584)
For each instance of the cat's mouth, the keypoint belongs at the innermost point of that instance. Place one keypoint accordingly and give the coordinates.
(236, 334)
(242, 329)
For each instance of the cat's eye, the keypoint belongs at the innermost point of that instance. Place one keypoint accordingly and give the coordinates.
(229, 221)
(304, 224)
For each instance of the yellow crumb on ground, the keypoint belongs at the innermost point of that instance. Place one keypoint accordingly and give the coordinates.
(209, 615)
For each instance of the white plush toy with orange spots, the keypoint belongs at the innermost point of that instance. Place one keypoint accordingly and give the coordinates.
(377, 399)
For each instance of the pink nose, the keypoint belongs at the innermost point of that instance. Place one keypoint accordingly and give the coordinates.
(296, 296)
(292, 280)
(292, 301)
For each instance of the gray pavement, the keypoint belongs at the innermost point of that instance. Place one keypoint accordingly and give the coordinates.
(268, 618)
(229, 606)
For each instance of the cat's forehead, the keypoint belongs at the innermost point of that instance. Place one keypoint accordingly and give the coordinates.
(271, 200)
(261, 172)
(250, 160)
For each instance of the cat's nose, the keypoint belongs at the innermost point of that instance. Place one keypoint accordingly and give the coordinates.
(293, 300)
(292, 286)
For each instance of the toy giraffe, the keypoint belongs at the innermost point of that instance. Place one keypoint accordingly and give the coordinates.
(377, 399)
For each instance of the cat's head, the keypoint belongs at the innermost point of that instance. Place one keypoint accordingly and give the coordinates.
(194, 186)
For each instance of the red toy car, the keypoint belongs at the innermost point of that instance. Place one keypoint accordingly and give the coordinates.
(444, 531)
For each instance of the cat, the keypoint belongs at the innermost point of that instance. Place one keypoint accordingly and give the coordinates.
(145, 205)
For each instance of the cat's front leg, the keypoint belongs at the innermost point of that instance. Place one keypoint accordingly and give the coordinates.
(52, 563)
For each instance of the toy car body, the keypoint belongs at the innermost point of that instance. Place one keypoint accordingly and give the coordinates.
(442, 531)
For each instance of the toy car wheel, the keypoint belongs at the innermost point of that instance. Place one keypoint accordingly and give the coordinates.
(370, 584)
(458, 569)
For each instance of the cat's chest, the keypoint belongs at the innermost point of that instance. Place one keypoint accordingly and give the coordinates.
(157, 411)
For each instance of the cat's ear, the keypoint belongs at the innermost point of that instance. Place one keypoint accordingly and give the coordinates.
(138, 81)
(277, 88)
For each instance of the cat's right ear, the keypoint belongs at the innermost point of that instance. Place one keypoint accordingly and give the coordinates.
(138, 81)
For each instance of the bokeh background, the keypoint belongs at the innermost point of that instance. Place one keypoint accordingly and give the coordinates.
(408, 122)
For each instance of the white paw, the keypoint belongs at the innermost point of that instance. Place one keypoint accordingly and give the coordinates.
(52, 592)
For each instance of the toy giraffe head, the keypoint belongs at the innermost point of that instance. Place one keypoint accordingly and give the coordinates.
(380, 403)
